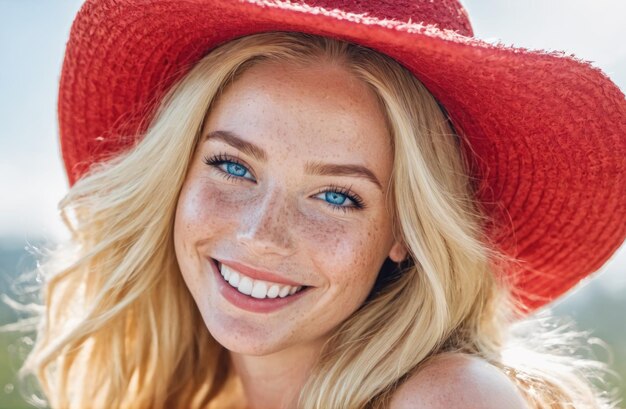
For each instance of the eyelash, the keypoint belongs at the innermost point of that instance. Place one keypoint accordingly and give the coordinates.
(219, 159)
(347, 192)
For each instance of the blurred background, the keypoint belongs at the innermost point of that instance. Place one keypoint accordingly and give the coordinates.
(33, 34)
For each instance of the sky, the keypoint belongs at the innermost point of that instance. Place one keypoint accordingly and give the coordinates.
(33, 34)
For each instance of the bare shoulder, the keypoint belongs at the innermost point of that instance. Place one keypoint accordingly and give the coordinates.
(458, 381)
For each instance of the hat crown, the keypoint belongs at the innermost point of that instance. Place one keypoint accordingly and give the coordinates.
(445, 14)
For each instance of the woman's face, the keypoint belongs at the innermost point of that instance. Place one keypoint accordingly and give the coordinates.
(289, 177)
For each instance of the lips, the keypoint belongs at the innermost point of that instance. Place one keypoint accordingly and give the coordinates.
(256, 288)
(256, 301)
(257, 274)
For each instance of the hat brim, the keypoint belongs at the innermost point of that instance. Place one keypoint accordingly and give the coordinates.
(545, 129)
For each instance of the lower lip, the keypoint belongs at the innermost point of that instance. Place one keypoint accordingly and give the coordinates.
(249, 303)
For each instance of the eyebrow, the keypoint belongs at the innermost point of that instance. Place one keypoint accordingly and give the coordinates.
(329, 169)
(233, 140)
(312, 168)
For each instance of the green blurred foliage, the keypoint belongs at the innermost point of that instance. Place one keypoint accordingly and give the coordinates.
(14, 346)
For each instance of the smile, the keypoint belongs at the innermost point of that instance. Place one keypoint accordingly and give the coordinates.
(256, 288)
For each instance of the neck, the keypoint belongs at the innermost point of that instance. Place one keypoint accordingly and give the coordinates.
(274, 381)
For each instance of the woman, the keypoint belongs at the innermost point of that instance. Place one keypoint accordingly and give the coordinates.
(273, 219)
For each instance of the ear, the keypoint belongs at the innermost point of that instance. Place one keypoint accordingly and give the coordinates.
(398, 252)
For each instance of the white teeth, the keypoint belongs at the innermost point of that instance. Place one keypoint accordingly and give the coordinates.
(284, 291)
(259, 290)
(256, 288)
(233, 278)
(245, 285)
(273, 291)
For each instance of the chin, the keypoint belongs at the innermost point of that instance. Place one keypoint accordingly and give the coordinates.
(245, 338)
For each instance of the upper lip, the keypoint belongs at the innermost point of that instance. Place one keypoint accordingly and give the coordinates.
(258, 274)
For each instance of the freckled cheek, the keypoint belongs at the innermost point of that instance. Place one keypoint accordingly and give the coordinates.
(348, 252)
(202, 207)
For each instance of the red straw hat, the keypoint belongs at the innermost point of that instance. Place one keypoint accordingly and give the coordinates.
(547, 132)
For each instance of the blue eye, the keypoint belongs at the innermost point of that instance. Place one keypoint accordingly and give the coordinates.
(335, 198)
(233, 169)
(236, 169)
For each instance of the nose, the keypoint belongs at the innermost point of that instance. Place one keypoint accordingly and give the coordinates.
(265, 227)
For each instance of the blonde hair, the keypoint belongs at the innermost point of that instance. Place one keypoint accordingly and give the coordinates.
(120, 328)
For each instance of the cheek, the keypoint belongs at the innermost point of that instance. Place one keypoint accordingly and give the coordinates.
(196, 223)
(350, 252)
(348, 256)
(204, 209)
(204, 215)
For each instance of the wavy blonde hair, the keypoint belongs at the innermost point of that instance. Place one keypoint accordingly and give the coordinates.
(120, 328)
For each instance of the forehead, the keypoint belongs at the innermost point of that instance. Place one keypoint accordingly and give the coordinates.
(314, 110)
